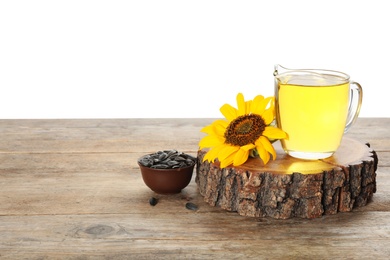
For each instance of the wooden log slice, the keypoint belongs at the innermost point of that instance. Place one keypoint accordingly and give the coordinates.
(288, 187)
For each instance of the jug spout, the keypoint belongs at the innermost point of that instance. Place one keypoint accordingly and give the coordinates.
(279, 69)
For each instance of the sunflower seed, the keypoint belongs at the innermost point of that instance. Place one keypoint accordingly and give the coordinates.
(160, 166)
(179, 158)
(189, 161)
(172, 163)
(191, 206)
(162, 156)
(167, 159)
(153, 201)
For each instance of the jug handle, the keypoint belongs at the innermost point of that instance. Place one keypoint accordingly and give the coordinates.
(355, 103)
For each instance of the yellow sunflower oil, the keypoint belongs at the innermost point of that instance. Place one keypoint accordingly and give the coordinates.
(312, 110)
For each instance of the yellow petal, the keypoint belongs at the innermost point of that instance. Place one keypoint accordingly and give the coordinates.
(270, 103)
(274, 133)
(227, 161)
(229, 112)
(268, 146)
(241, 105)
(212, 154)
(240, 157)
(248, 105)
(208, 129)
(256, 105)
(248, 147)
(211, 141)
(220, 127)
(268, 116)
(209, 156)
(264, 155)
(227, 151)
(263, 104)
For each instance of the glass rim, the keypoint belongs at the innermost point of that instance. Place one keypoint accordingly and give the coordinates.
(285, 71)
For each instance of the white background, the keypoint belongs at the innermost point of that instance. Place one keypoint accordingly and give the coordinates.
(131, 59)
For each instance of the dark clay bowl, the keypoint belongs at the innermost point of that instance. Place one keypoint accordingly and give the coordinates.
(166, 181)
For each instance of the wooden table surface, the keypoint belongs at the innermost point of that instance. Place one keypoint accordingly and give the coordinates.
(71, 189)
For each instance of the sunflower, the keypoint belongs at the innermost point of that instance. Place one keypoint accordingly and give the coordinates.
(245, 131)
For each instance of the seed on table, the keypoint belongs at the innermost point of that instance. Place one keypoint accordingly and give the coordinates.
(153, 201)
(191, 206)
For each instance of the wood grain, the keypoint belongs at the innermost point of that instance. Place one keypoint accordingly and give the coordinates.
(71, 189)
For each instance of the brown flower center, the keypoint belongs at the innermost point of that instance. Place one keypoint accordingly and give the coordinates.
(244, 130)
